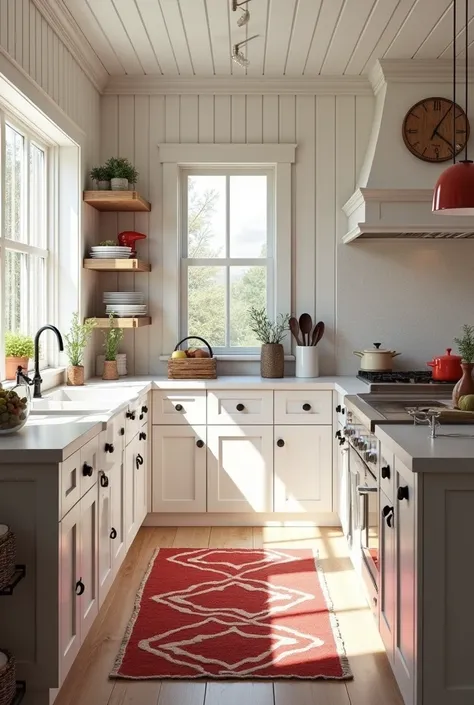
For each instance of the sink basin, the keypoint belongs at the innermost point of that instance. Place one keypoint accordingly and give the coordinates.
(46, 406)
(88, 395)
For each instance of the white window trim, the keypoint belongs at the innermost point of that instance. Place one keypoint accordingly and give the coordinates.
(175, 157)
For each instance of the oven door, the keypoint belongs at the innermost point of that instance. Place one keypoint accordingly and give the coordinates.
(367, 515)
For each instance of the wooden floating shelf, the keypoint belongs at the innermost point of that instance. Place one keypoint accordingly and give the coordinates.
(19, 574)
(125, 322)
(116, 201)
(117, 265)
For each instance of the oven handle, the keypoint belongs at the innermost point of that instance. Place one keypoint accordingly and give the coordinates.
(364, 489)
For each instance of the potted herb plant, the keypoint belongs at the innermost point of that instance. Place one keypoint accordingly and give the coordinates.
(101, 178)
(272, 358)
(465, 345)
(113, 337)
(18, 350)
(121, 172)
(76, 342)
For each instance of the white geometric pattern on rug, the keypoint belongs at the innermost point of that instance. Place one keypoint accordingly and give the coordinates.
(199, 560)
(283, 643)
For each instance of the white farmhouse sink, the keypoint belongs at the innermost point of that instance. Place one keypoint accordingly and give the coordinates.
(47, 406)
(107, 397)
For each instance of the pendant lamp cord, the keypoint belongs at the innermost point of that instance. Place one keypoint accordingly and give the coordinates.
(467, 77)
(454, 81)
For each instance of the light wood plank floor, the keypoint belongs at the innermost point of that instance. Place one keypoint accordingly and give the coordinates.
(88, 682)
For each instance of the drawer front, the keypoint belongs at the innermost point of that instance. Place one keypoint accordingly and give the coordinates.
(89, 465)
(311, 407)
(179, 408)
(235, 407)
(70, 482)
(387, 472)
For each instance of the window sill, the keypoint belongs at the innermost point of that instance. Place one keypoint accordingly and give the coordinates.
(235, 358)
(51, 376)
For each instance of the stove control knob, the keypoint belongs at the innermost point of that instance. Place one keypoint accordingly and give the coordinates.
(347, 432)
(371, 456)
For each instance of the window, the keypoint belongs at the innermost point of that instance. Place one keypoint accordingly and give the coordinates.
(23, 237)
(227, 262)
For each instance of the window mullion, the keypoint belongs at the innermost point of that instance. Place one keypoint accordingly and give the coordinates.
(227, 254)
(2, 246)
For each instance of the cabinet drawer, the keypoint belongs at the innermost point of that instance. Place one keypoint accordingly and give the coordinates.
(235, 407)
(303, 408)
(180, 407)
(70, 470)
(89, 464)
(387, 472)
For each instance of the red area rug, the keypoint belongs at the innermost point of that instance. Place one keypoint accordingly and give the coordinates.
(232, 613)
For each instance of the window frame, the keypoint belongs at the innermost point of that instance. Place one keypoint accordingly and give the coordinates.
(228, 261)
(38, 139)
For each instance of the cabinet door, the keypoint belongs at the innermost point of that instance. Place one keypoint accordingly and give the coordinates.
(89, 603)
(129, 503)
(303, 468)
(404, 656)
(105, 559)
(179, 469)
(239, 469)
(387, 584)
(69, 602)
(141, 468)
(117, 516)
(344, 486)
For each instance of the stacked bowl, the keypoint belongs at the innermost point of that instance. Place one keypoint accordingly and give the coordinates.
(110, 252)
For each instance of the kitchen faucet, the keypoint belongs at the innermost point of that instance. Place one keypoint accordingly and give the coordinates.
(36, 381)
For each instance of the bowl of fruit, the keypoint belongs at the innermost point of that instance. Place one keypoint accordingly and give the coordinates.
(14, 408)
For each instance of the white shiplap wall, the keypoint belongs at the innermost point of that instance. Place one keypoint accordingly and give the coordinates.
(331, 133)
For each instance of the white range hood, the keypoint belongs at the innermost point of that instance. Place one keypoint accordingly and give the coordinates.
(395, 189)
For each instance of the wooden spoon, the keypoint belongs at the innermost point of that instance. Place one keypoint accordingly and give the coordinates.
(295, 330)
(306, 326)
(318, 333)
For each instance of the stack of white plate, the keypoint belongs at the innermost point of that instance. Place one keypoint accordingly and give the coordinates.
(125, 304)
(110, 252)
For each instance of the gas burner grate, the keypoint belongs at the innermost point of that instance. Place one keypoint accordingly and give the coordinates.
(399, 377)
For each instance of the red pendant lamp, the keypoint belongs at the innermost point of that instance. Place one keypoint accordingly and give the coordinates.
(454, 190)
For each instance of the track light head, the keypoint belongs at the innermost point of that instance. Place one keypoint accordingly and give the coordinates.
(243, 19)
(238, 57)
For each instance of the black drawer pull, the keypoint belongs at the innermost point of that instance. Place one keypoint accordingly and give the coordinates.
(113, 533)
(386, 472)
(280, 442)
(387, 513)
(200, 443)
(141, 417)
(240, 407)
(104, 480)
(306, 407)
(142, 436)
(139, 460)
(122, 431)
(87, 470)
(338, 434)
(178, 407)
(130, 415)
(402, 492)
(80, 587)
(109, 448)
(144, 410)
(338, 408)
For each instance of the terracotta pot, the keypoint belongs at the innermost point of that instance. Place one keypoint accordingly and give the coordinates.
(272, 360)
(465, 384)
(11, 364)
(110, 370)
(75, 375)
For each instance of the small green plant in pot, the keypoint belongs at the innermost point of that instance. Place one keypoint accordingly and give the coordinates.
(270, 334)
(465, 387)
(112, 338)
(76, 343)
(121, 172)
(101, 178)
(19, 349)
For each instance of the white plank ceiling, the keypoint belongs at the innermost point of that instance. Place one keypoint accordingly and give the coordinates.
(296, 37)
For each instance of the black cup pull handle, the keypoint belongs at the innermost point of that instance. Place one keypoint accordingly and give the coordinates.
(139, 460)
(113, 533)
(200, 443)
(280, 442)
(387, 513)
(80, 587)
(104, 480)
(306, 407)
(386, 472)
(178, 407)
(87, 470)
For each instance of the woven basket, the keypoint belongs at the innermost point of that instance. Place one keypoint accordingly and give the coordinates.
(7, 555)
(7, 677)
(193, 368)
(272, 360)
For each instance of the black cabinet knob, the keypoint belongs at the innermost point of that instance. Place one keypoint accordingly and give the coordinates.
(306, 407)
(338, 434)
(113, 533)
(200, 443)
(87, 470)
(142, 436)
(240, 407)
(338, 408)
(178, 407)
(130, 415)
(122, 431)
(139, 460)
(343, 410)
(109, 448)
(402, 492)
(80, 587)
(141, 417)
(104, 480)
(386, 472)
(280, 442)
(144, 410)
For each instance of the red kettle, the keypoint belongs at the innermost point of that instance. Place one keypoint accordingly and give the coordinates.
(128, 238)
(446, 368)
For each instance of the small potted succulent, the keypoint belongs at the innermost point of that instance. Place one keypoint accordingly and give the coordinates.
(121, 172)
(270, 334)
(19, 349)
(101, 178)
(112, 338)
(76, 342)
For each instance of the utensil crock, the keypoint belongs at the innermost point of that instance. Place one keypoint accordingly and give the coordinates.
(307, 361)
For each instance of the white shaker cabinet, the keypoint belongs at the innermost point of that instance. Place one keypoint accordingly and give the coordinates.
(343, 484)
(117, 516)
(387, 581)
(303, 468)
(105, 547)
(240, 469)
(135, 486)
(179, 469)
(141, 464)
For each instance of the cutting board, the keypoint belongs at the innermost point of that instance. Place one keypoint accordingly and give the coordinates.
(455, 416)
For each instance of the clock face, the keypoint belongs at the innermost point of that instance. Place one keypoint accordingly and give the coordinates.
(428, 129)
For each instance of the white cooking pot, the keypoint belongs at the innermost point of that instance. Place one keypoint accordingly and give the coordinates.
(375, 359)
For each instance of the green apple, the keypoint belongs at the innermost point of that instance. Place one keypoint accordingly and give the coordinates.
(178, 354)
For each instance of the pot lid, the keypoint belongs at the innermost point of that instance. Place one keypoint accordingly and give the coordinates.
(448, 356)
(376, 349)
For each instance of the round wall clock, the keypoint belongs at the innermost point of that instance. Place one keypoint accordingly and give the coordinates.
(428, 129)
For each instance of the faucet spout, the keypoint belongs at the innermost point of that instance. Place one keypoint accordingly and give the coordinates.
(37, 377)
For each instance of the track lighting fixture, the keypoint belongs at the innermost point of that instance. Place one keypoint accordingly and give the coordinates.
(244, 18)
(238, 56)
